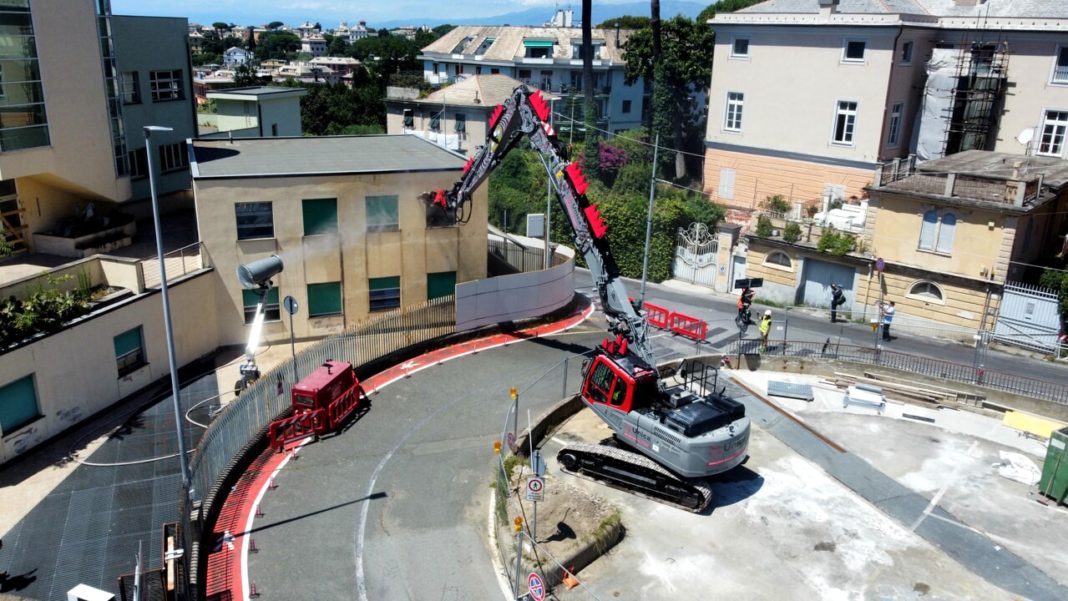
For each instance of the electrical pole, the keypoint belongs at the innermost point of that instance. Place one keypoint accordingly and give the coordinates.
(649, 219)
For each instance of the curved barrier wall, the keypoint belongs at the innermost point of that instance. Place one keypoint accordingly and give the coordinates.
(518, 296)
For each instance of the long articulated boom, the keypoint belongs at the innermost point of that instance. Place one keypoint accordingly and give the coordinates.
(525, 113)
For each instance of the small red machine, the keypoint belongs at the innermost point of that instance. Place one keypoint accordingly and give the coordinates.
(322, 401)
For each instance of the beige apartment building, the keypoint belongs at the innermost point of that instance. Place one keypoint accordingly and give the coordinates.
(345, 215)
(454, 117)
(807, 96)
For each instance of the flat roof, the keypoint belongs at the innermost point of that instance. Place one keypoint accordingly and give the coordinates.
(258, 91)
(275, 157)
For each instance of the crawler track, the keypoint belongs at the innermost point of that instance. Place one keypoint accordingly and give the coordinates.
(634, 473)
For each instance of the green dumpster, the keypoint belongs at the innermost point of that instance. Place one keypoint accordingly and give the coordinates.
(1054, 482)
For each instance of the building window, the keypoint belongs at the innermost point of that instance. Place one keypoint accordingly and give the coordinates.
(1060, 67)
(23, 121)
(435, 120)
(254, 220)
(538, 48)
(173, 157)
(906, 53)
(845, 121)
(732, 120)
(895, 124)
(854, 51)
(382, 213)
(18, 404)
(131, 90)
(324, 299)
(740, 48)
(926, 291)
(461, 124)
(166, 85)
(1053, 129)
(129, 351)
(779, 259)
(138, 162)
(440, 284)
(384, 293)
(937, 230)
(320, 216)
(409, 119)
(626, 107)
(250, 299)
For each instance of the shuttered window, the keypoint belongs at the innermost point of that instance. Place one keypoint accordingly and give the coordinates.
(320, 216)
(251, 299)
(440, 284)
(937, 231)
(927, 230)
(945, 233)
(18, 404)
(384, 293)
(129, 351)
(324, 299)
(381, 213)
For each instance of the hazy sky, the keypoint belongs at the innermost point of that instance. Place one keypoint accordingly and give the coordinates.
(331, 12)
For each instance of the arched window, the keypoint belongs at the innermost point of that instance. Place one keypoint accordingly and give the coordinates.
(927, 291)
(780, 259)
(937, 230)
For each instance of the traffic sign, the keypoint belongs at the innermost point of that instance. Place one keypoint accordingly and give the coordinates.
(536, 586)
(290, 305)
(749, 283)
(535, 488)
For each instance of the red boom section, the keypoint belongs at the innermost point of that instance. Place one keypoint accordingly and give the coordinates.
(540, 108)
(496, 116)
(597, 225)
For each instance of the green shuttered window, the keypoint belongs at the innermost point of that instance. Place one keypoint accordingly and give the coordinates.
(324, 299)
(384, 293)
(129, 351)
(251, 298)
(320, 216)
(18, 404)
(440, 284)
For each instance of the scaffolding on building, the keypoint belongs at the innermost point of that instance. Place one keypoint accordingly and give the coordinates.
(977, 97)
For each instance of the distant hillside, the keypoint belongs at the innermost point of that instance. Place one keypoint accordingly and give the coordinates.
(538, 16)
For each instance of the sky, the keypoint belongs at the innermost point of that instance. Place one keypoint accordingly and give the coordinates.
(331, 12)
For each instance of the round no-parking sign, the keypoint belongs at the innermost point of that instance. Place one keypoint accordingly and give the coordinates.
(536, 586)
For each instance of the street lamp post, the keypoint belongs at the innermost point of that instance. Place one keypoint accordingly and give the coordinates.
(168, 328)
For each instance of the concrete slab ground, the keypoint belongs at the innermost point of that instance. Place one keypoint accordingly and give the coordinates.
(786, 528)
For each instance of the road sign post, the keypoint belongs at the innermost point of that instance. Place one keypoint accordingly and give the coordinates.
(291, 307)
(535, 493)
(536, 586)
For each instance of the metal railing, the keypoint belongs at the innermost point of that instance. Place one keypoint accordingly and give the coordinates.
(178, 262)
(521, 257)
(924, 366)
(245, 420)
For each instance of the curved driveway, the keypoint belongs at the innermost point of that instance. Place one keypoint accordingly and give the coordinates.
(402, 496)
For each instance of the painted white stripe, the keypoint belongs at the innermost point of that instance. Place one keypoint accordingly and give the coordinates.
(938, 495)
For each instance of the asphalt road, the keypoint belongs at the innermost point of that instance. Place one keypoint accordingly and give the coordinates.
(719, 309)
(396, 507)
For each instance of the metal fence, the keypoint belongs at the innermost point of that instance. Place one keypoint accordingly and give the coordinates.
(925, 366)
(177, 262)
(521, 257)
(245, 419)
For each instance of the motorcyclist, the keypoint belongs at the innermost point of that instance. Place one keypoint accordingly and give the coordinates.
(744, 302)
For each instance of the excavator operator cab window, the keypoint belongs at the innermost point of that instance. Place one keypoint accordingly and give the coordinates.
(600, 382)
(303, 400)
(619, 392)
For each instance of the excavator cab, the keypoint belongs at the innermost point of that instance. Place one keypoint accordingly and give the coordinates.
(621, 382)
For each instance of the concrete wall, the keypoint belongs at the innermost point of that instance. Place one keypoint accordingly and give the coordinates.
(285, 112)
(513, 297)
(75, 372)
(235, 114)
(350, 256)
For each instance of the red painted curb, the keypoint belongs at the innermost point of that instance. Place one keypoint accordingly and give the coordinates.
(227, 563)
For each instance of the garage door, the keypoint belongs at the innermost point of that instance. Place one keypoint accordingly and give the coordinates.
(819, 275)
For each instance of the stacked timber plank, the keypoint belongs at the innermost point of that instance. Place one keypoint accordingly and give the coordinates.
(910, 391)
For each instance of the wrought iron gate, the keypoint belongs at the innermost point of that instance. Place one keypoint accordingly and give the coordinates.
(695, 255)
(1028, 317)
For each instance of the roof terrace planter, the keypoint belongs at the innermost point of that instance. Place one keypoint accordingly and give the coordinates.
(81, 238)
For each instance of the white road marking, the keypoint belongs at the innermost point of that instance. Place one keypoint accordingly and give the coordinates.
(938, 496)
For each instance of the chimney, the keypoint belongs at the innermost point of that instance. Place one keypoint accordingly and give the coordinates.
(828, 7)
(617, 34)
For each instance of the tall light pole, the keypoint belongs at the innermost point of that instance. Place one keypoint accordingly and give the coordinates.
(168, 329)
(649, 219)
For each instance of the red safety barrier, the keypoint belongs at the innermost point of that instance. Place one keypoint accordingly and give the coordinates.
(690, 327)
(342, 407)
(297, 427)
(656, 315)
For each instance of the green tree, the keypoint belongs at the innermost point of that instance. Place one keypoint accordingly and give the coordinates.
(625, 22)
(441, 30)
(1057, 280)
(684, 70)
(724, 6)
(273, 25)
(278, 44)
(338, 46)
(220, 26)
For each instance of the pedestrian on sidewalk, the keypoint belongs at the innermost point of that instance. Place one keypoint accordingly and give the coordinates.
(888, 311)
(837, 299)
(765, 330)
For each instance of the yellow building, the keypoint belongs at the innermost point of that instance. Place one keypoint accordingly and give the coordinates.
(344, 214)
(950, 234)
